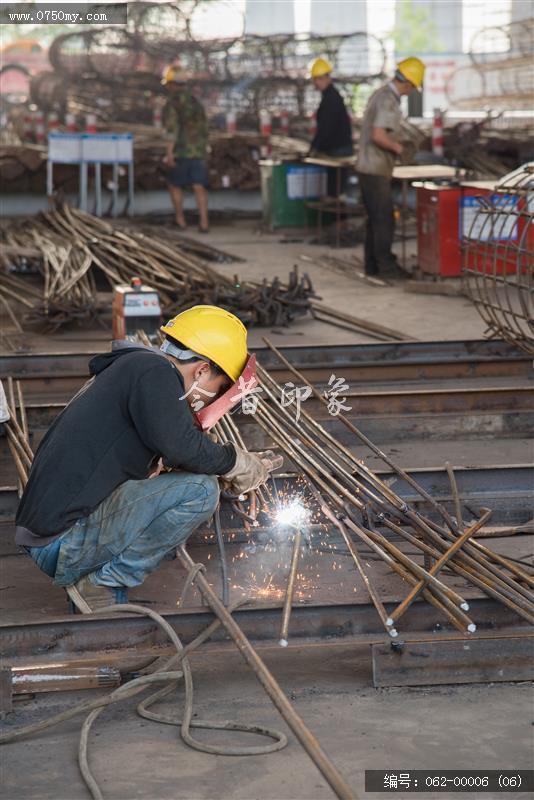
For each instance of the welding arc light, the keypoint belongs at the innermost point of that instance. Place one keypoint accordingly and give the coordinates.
(294, 514)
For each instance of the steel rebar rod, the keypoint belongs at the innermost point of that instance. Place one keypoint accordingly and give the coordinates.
(222, 556)
(22, 474)
(305, 435)
(410, 565)
(387, 621)
(406, 476)
(455, 615)
(336, 781)
(471, 577)
(290, 588)
(408, 600)
(315, 468)
(15, 441)
(472, 553)
(19, 432)
(339, 448)
(455, 494)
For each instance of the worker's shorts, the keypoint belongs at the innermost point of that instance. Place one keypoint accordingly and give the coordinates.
(188, 172)
(126, 537)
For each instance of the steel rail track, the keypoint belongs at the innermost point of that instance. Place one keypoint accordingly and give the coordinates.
(63, 372)
(508, 490)
(446, 656)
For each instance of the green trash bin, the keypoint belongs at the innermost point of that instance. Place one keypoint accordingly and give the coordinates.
(286, 186)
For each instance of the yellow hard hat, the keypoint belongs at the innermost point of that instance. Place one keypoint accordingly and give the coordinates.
(319, 67)
(413, 70)
(214, 333)
(174, 74)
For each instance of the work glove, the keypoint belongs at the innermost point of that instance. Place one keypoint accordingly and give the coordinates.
(251, 470)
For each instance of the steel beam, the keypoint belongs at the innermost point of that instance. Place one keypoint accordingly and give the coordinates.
(431, 663)
(367, 362)
(501, 401)
(65, 636)
(505, 489)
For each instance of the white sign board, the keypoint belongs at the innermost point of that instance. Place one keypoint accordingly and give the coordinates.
(65, 148)
(93, 148)
(107, 148)
(98, 147)
(124, 145)
(486, 228)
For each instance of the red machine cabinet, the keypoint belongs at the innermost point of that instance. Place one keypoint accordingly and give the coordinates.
(438, 241)
(498, 245)
(443, 220)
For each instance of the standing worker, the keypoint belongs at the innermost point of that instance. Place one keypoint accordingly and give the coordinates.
(379, 146)
(184, 119)
(333, 136)
(97, 514)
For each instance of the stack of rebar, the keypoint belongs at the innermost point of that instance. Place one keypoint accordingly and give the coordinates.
(69, 272)
(368, 513)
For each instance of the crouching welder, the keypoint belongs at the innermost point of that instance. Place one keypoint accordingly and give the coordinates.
(91, 515)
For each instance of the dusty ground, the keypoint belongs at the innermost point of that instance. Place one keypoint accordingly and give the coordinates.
(425, 317)
(457, 727)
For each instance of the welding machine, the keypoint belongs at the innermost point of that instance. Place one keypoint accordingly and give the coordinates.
(135, 307)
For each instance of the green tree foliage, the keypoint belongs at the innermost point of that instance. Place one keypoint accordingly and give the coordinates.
(415, 30)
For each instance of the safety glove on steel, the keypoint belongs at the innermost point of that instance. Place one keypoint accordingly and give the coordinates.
(251, 470)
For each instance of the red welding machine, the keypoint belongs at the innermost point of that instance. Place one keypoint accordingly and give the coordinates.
(135, 307)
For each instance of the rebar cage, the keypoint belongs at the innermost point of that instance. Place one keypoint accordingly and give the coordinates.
(498, 258)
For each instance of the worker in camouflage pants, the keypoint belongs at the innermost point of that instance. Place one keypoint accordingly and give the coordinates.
(185, 122)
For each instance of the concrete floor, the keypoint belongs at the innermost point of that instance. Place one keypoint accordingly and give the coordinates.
(434, 318)
(422, 316)
(457, 727)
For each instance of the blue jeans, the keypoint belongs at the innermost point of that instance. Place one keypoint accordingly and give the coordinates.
(129, 533)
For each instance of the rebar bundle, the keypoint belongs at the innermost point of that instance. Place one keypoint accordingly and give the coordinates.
(498, 259)
(70, 249)
(368, 513)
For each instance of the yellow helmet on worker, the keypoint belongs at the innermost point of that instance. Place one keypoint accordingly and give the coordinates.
(213, 333)
(174, 74)
(412, 69)
(320, 67)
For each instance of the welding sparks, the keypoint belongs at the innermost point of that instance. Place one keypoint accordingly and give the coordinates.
(294, 514)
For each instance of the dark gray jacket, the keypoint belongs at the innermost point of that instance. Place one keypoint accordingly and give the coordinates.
(114, 430)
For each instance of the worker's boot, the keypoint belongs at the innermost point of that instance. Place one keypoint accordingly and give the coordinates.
(89, 598)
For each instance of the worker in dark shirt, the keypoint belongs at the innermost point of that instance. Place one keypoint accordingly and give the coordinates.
(99, 512)
(333, 136)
